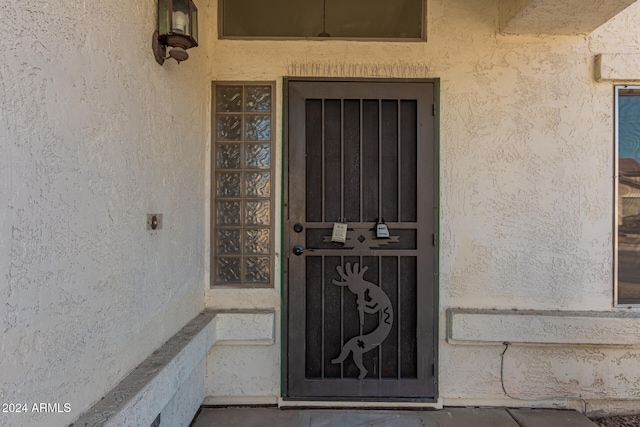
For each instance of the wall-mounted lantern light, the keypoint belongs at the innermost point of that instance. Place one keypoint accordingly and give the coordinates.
(177, 29)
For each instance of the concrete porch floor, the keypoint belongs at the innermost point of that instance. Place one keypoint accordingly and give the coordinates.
(448, 417)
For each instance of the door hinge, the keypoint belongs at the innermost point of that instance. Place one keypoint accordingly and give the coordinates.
(433, 369)
(434, 109)
(435, 242)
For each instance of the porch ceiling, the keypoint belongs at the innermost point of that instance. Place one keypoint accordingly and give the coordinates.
(557, 16)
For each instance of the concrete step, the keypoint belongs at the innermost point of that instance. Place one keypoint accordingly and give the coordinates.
(448, 417)
(548, 418)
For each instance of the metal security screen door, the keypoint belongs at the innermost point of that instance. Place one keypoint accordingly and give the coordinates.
(361, 317)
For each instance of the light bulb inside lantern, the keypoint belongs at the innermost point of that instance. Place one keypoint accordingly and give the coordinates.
(180, 22)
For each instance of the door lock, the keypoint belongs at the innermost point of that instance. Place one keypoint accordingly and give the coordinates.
(382, 231)
(299, 250)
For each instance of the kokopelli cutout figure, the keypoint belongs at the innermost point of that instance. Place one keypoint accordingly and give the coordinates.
(371, 300)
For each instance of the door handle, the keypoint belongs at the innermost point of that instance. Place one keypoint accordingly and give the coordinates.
(299, 250)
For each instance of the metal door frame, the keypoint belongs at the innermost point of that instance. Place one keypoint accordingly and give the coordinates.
(286, 229)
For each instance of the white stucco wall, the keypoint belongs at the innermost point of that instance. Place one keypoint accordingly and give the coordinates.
(526, 192)
(94, 135)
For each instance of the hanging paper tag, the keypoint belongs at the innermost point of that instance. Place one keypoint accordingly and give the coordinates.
(382, 231)
(339, 234)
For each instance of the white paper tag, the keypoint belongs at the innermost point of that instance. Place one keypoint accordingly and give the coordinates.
(339, 234)
(382, 231)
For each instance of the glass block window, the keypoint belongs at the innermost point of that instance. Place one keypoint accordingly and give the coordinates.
(242, 185)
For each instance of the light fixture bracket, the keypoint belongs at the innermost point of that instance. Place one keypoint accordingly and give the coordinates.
(159, 50)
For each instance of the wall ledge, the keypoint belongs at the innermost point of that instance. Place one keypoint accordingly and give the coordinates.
(142, 395)
(476, 326)
(617, 67)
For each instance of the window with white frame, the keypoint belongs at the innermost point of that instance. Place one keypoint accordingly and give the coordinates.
(627, 236)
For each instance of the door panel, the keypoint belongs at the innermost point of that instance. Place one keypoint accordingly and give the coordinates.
(361, 316)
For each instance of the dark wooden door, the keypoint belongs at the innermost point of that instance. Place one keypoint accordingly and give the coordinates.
(361, 316)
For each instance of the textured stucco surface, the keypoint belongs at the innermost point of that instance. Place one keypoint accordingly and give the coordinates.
(544, 327)
(171, 380)
(94, 135)
(187, 399)
(617, 67)
(557, 17)
(151, 386)
(526, 194)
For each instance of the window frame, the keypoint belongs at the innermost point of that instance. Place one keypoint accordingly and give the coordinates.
(616, 205)
(422, 38)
